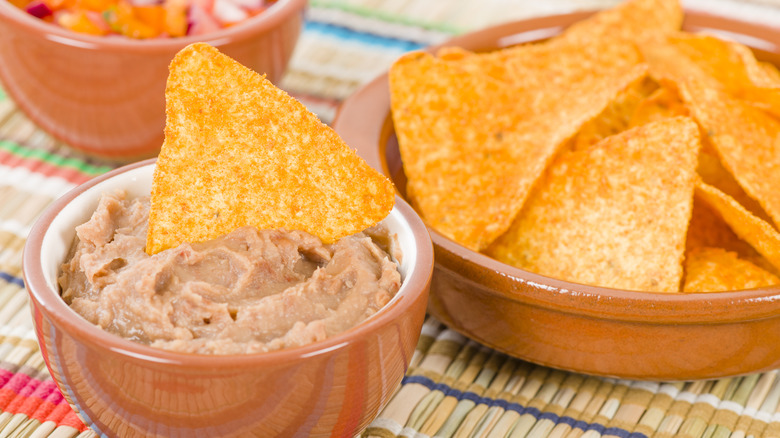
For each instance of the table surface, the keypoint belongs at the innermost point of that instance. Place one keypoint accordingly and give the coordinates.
(454, 387)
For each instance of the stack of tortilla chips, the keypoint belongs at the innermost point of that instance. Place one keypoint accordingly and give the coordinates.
(622, 153)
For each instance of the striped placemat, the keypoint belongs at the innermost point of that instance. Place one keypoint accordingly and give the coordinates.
(454, 386)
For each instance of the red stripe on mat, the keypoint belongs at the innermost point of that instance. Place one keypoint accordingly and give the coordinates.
(50, 170)
(37, 399)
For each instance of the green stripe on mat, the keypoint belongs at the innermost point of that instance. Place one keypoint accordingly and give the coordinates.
(369, 12)
(55, 160)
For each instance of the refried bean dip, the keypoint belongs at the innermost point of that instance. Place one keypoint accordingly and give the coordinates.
(248, 291)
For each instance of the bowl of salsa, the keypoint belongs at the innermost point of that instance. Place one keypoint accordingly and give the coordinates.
(92, 73)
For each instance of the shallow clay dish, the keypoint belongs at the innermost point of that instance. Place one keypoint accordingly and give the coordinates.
(586, 329)
(122, 388)
(106, 96)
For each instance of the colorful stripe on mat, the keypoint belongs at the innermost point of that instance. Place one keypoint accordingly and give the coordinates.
(456, 388)
(38, 400)
(47, 163)
(29, 399)
(34, 170)
(520, 409)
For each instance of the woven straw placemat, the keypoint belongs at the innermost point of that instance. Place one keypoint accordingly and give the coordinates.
(454, 387)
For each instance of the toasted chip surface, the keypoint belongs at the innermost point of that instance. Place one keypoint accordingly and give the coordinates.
(613, 215)
(715, 270)
(239, 151)
(708, 230)
(471, 150)
(662, 103)
(753, 230)
(617, 116)
(712, 172)
(726, 65)
(633, 19)
(666, 102)
(453, 131)
(746, 139)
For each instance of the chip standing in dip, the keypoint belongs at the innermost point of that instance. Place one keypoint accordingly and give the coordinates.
(260, 233)
(246, 292)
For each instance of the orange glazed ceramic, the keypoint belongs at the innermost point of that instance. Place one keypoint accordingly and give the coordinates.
(121, 388)
(560, 324)
(106, 95)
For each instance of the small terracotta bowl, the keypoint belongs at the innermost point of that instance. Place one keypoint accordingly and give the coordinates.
(565, 325)
(106, 95)
(122, 388)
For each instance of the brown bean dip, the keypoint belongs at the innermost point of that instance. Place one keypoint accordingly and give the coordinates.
(248, 291)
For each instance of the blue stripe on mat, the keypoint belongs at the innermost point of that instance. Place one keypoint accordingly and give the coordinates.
(344, 33)
(12, 279)
(520, 409)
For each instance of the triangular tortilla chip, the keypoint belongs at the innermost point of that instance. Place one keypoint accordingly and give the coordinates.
(769, 75)
(633, 19)
(617, 117)
(716, 63)
(613, 215)
(708, 230)
(662, 103)
(471, 150)
(712, 172)
(538, 67)
(715, 270)
(666, 102)
(758, 233)
(747, 142)
(239, 151)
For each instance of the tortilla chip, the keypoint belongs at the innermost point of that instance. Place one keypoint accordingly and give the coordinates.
(756, 232)
(684, 55)
(708, 229)
(716, 63)
(462, 132)
(715, 270)
(617, 117)
(770, 74)
(761, 74)
(712, 172)
(662, 103)
(665, 102)
(613, 215)
(633, 20)
(539, 65)
(553, 63)
(535, 68)
(451, 125)
(667, 62)
(746, 140)
(238, 151)
(454, 53)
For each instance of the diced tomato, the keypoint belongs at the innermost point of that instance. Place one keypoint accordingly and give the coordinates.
(143, 18)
